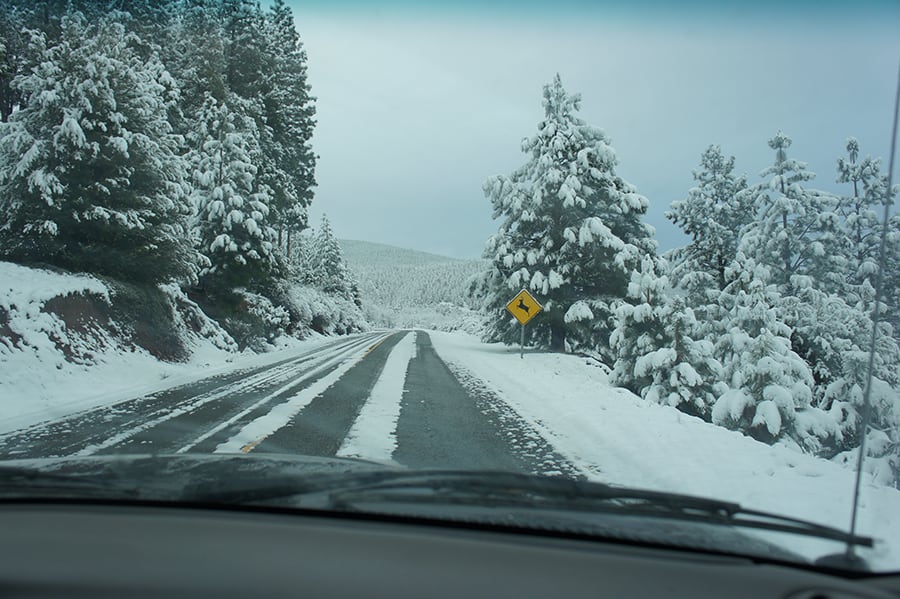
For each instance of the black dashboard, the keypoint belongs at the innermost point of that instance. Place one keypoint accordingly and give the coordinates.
(57, 549)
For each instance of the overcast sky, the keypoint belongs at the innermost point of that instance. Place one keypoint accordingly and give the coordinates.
(417, 107)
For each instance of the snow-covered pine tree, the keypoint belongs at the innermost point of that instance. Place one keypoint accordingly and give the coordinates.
(329, 256)
(327, 262)
(199, 60)
(713, 215)
(798, 238)
(686, 375)
(862, 227)
(860, 212)
(769, 383)
(571, 232)
(246, 59)
(89, 166)
(290, 113)
(640, 329)
(303, 260)
(658, 353)
(891, 282)
(839, 335)
(13, 43)
(797, 229)
(232, 206)
(249, 63)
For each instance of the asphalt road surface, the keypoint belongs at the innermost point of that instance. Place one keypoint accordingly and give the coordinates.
(307, 404)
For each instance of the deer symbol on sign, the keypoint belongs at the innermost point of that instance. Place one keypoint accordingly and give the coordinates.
(522, 306)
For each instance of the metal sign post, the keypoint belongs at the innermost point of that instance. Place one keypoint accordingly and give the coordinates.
(523, 307)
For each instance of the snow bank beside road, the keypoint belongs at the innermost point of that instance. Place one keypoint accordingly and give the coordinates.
(39, 381)
(613, 436)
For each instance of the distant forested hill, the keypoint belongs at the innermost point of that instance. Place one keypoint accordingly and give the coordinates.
(408, 288)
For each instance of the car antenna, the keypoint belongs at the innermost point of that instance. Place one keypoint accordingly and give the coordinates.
(849, 559)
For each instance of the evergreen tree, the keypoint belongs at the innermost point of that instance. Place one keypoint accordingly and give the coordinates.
(840, 335)
(304, 262)
(326, 268)
(246, 58)
(769, 383)
(796, 232)
(13, 44)
(862, 228)
(891, 282)
(713, 215)
(861, 225)
(658, 353)
(232, 206)
(290, 113)
(571, 231)
(641, 330)
(329, 257)
(199, 60)
(90, 175)
(686, 375)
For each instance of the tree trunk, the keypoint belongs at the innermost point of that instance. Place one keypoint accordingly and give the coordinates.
(557, 336)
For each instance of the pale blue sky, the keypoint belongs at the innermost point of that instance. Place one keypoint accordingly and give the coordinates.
(417, 107)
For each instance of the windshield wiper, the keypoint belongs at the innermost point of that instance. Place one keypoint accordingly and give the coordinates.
(515, 490)
(18, 482)
(511, 490)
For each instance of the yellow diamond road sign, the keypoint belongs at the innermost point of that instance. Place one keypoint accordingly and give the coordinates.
(524, 307)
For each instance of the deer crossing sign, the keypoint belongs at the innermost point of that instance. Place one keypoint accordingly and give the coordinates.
(523, 307)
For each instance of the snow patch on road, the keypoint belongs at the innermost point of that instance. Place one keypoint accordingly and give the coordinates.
(374, 433)
(615, 437)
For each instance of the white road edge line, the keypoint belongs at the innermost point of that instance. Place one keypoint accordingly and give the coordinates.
(373, 435)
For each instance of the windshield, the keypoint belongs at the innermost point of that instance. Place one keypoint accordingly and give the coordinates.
(648, 246)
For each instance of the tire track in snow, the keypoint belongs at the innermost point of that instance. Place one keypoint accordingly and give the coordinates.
(523, 438)
(445, 424)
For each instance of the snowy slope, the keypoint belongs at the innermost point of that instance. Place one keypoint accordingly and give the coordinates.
(60, 353)
(613, 436)
(407, 288)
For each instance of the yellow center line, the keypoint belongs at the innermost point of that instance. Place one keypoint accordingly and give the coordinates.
(371, 349)
(252, 444)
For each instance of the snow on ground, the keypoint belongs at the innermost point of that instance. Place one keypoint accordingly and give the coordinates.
(613, 436)
(56, 393)
(37, 383)
(374, 432)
